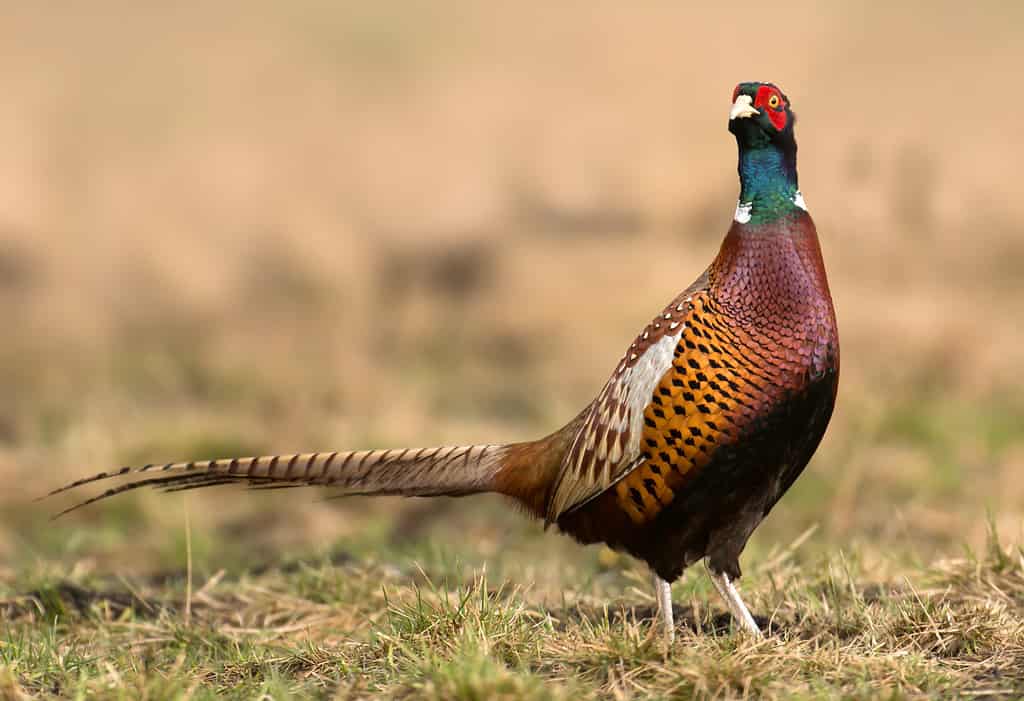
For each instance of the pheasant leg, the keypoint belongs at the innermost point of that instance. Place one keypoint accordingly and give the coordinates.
(663, 593)
(736, 606)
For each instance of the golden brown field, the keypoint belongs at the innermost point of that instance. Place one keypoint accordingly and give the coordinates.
(269, 227)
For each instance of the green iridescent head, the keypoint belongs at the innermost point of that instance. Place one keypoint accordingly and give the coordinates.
(762, 122)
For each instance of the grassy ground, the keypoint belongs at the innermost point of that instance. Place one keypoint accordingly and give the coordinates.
(369, 618)
(319, 226)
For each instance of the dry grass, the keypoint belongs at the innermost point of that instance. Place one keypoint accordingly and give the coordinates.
(330, 225)
(361, 628)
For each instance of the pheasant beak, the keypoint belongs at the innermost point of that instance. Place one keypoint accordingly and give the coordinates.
(742, 108)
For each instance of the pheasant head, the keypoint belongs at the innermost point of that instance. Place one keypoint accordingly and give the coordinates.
(762, 122)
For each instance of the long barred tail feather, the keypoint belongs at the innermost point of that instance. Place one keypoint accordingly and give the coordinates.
(450, 470)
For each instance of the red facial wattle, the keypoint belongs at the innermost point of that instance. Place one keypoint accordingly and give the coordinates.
(763, 102)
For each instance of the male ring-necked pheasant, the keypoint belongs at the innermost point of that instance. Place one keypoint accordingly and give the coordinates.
(706, 421)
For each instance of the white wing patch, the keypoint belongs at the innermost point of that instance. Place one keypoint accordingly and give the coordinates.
(645, 376)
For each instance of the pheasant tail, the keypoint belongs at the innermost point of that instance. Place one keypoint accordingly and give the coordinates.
(450, 471)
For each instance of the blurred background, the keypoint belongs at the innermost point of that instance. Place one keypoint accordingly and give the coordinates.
(229, 229)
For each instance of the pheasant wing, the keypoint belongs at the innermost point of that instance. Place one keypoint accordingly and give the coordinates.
(608, 444)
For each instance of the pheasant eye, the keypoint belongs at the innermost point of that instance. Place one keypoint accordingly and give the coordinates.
(773, 101)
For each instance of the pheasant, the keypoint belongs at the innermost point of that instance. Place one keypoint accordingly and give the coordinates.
(709, 417)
